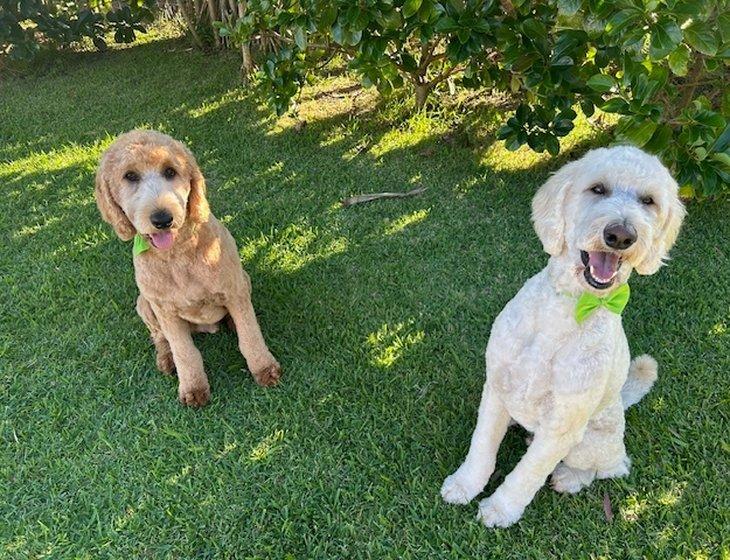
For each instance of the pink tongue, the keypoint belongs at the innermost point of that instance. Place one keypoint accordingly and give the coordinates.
(162, 240)
(604, 264)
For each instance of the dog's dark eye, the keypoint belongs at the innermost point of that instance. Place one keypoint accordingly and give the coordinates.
(169, 173)
(598, 188)
(647, 200)
(131, 176)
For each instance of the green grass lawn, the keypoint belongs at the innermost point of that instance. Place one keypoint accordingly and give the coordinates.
(379, 314)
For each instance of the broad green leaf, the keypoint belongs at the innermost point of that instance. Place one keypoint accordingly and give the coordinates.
(723, 161)
(702, 38)
(338, 34)
(723, 23)
(659, 140)
(586, 105)
(512, 143)
(638, 133)
(300, 38)
(568, 7)
(411, 7)
(600, 82)
(679, 59)
(665, 36)
(552, 145)
(615, 105)
(446, 25)
(621, 20)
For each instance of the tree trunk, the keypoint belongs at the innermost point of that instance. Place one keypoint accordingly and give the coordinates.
(190, 22)
(422, 91)
(247, 66)
(213, 17)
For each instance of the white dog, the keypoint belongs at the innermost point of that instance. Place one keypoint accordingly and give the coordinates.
(557, 359)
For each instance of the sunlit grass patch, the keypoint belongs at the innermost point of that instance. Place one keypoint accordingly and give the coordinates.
(266, 447)
(292, 248)
(406, 220)
(390, 342)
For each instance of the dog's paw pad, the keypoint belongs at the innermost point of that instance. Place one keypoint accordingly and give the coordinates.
(268, 376)
(455, 490)
(194, 396)
(493, 514)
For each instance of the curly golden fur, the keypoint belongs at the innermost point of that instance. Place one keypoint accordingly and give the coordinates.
(191, 277)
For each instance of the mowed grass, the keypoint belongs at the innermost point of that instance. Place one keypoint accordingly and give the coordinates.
(379, 314)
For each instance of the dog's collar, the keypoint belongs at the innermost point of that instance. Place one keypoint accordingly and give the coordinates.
(615, 302)
(140, 245)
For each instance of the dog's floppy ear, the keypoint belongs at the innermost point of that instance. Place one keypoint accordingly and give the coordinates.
(111, 212)
(547, 209)
(198, 209)
(664, 238)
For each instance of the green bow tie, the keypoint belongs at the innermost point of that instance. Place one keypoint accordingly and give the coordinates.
(140, 245)
(614, 302)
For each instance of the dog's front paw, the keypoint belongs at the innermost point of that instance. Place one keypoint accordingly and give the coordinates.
(194, 395)
(495, 513)
(268, 375)
(459, 488)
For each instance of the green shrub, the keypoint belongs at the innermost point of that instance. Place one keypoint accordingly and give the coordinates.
(26, 26)
(661, 65)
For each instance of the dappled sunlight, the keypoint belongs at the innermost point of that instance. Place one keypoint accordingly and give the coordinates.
(177, 477)
(664, 536)
(499, 158)
(294, 247)
(16, 544)
(227, 448)
(267, 447)
(29, 230)
(672, 496)
(388, 344)
(120, 522)
(718, 330)
(633, 508)
(418, 129)
(406, 220)
(328, 99)
(215, 104)
(658, 404)
(85, 156)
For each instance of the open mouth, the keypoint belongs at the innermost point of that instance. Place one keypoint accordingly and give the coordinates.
(601, 268)
(162, 240)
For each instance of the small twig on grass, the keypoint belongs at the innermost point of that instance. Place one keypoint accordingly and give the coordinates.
(607, 509)
(360, 198)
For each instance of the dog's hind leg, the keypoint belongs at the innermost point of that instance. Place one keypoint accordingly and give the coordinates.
(165, 362)
(600, 454)
(473, 474)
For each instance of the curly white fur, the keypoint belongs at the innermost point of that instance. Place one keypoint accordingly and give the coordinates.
(569, 383)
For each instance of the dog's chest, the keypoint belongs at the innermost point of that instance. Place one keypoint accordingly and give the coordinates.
(191, 291)
(537, 351)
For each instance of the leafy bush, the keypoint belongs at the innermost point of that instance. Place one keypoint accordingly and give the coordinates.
(28, 25)
(661, 65)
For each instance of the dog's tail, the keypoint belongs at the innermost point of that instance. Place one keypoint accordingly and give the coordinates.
(642, 375)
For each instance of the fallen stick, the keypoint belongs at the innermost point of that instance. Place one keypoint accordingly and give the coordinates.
(360, 198)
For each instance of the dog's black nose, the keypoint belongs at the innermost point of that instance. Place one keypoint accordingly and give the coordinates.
(161, 219)
(619, 236)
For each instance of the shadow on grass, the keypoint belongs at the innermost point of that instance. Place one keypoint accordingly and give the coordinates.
(380, 313)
